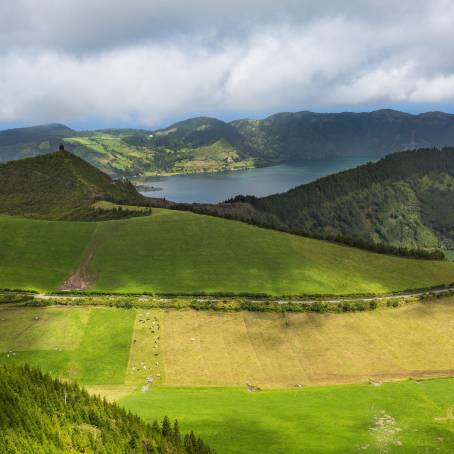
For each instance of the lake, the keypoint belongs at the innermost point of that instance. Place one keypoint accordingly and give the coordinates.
(217, 187)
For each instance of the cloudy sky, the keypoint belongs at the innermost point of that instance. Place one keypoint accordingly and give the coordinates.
(92, 63)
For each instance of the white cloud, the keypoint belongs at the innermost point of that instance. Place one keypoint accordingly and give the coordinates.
(152, 60)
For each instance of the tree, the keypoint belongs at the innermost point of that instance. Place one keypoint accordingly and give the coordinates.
(166, 427)
(176, 433)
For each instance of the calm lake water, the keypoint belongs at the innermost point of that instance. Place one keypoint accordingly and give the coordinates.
(217, 187)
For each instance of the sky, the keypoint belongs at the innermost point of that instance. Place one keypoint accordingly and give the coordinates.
(147, 63)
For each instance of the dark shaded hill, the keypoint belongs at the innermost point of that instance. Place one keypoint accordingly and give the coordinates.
(405, 199)
(61, 186)
(308, 135)
(33, 133)
(32, 141)
(41, 415)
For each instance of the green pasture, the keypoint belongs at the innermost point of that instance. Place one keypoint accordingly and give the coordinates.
(179, 252)
(182, 252)
(40, 255)
(401, 417)
(90, 345)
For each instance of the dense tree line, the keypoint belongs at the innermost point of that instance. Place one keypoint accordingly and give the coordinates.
(39, 414)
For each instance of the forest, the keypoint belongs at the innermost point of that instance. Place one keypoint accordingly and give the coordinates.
(40, 414)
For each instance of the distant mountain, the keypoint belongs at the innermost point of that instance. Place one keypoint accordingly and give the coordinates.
(33, 141)
(61, 186)
(204, 144)
(405, 199)
(307, 135)
(33, 133)
(199, 144)
(198, 132)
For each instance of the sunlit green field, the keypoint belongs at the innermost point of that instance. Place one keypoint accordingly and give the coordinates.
(90, 345)
(179, 252)
(108, 152)
(404, 417)
(40, 255)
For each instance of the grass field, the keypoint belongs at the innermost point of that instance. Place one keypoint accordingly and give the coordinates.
(403, 416)
(90, 345)
(113, 351)
(109, 346)
(104, 205)
(180, 252)
(271, 350)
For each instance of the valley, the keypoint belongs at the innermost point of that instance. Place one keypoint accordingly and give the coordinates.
(219, 323)
(226, 227)
(166, 311)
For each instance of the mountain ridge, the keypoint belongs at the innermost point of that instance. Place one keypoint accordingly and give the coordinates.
(207, 144)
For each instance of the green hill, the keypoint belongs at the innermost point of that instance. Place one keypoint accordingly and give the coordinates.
(197, 132)
(200, 144)
(204, 144)
(406, 199)
(180, 252)
(61, 186)
(39, 414)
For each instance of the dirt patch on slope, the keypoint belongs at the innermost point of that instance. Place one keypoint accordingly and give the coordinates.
(83, 277)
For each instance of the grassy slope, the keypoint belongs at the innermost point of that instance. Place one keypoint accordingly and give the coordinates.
(314, 420)
(115, 156)
(110, 153)
(40, 254)
(184, 252)
(174, 251)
